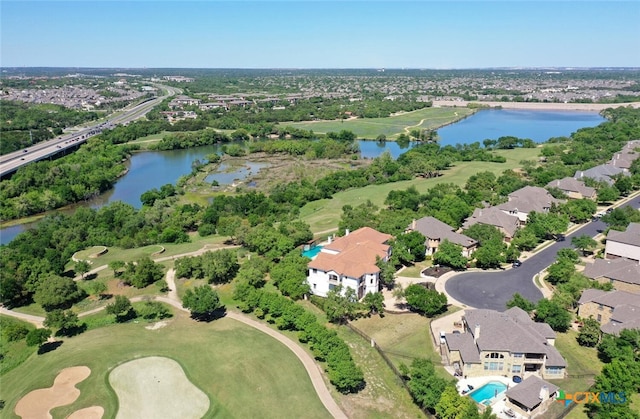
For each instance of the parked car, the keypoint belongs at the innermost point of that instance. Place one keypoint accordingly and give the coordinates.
(560, 238)
(516, 263)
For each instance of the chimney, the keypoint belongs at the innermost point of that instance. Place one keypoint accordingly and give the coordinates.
(346, 232)
(329, 239)
(413, 224)
(544, 393)
(476, 333)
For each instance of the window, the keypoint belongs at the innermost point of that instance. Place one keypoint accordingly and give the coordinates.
(494, 355)
(333, 277)
(331, 286)
(553, 370)
(516, 355)
(493, 366)
(315, 271)
(314, 286)
(371, 281)
(600, 307)
(599, 317)
(516, 369)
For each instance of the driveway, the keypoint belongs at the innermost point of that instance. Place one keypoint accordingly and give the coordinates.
(492, 289)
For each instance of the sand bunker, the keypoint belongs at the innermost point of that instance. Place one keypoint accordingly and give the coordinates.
(93, 412)
(38, 403)
(156, 387)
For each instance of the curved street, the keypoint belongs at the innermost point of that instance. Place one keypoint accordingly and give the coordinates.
(492, 289)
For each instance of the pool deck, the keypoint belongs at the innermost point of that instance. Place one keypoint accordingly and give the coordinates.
(497, 406)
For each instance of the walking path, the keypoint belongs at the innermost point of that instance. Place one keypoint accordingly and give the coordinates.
(313, 369)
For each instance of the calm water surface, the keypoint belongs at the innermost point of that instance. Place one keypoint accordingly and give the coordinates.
(150, 170)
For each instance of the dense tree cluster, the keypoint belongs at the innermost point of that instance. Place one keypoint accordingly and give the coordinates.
(46, 185)
(23, 124)
(620, 375)
(216, 267)
(325, 343)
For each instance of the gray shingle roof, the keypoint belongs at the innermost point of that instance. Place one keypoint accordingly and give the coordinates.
(512, 331)
(600, 173)
(494, 217)
(463, 342)
(528, 199)
(612, 298)
(630, 236)
(570, 184)
(527, 393)
(434, 229)
(621, 269)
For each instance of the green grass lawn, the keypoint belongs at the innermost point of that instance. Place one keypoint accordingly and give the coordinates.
(325, 214)
(403, 337)
(391, 127)
(244, 372)
(580, 361)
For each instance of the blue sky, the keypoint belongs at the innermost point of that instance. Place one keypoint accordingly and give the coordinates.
(320, 34)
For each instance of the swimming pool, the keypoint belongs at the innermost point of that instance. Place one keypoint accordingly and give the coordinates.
(488, 391)
(313, 252)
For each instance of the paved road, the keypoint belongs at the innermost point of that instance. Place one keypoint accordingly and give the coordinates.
(12, 161)
(493, 289)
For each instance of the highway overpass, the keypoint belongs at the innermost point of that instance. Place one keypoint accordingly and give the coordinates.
(11, 162)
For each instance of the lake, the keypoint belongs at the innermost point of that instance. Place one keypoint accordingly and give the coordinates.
(538, 126)
(153, 169)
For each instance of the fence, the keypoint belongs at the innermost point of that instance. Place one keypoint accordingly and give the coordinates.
(401, 379)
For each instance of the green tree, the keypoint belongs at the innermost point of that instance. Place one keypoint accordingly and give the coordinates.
(560, 271)
(203, 301)
(589, 333)
(450, 254)
(58, 292)
(425, 386)
(290, 275)
(82, 267)
(583, 243)
(143, 273)
(121, 308)
(491, 254)
(387, 272)
(37, 337)
(608, 194)
(552, 313)
(409, 247)
(340, 306)
(66, 321)
(429, 302)
(374, 302)
(483, 233)
(97, 288)
(116, 266)
(453, 406)
(519, 301)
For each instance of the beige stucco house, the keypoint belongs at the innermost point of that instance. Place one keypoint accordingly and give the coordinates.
(503, 343)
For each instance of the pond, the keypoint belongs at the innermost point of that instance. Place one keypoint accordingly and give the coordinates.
(153, 169)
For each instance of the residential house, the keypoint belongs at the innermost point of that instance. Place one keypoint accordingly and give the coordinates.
(350, 261)
(573, 188)
(526, 200)
(602, 173)
(622, 273)
(532, 397)
(626, 156)
(435, 231)
(614, 310)
(507, 224)
(624, 244)
(503, 343)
